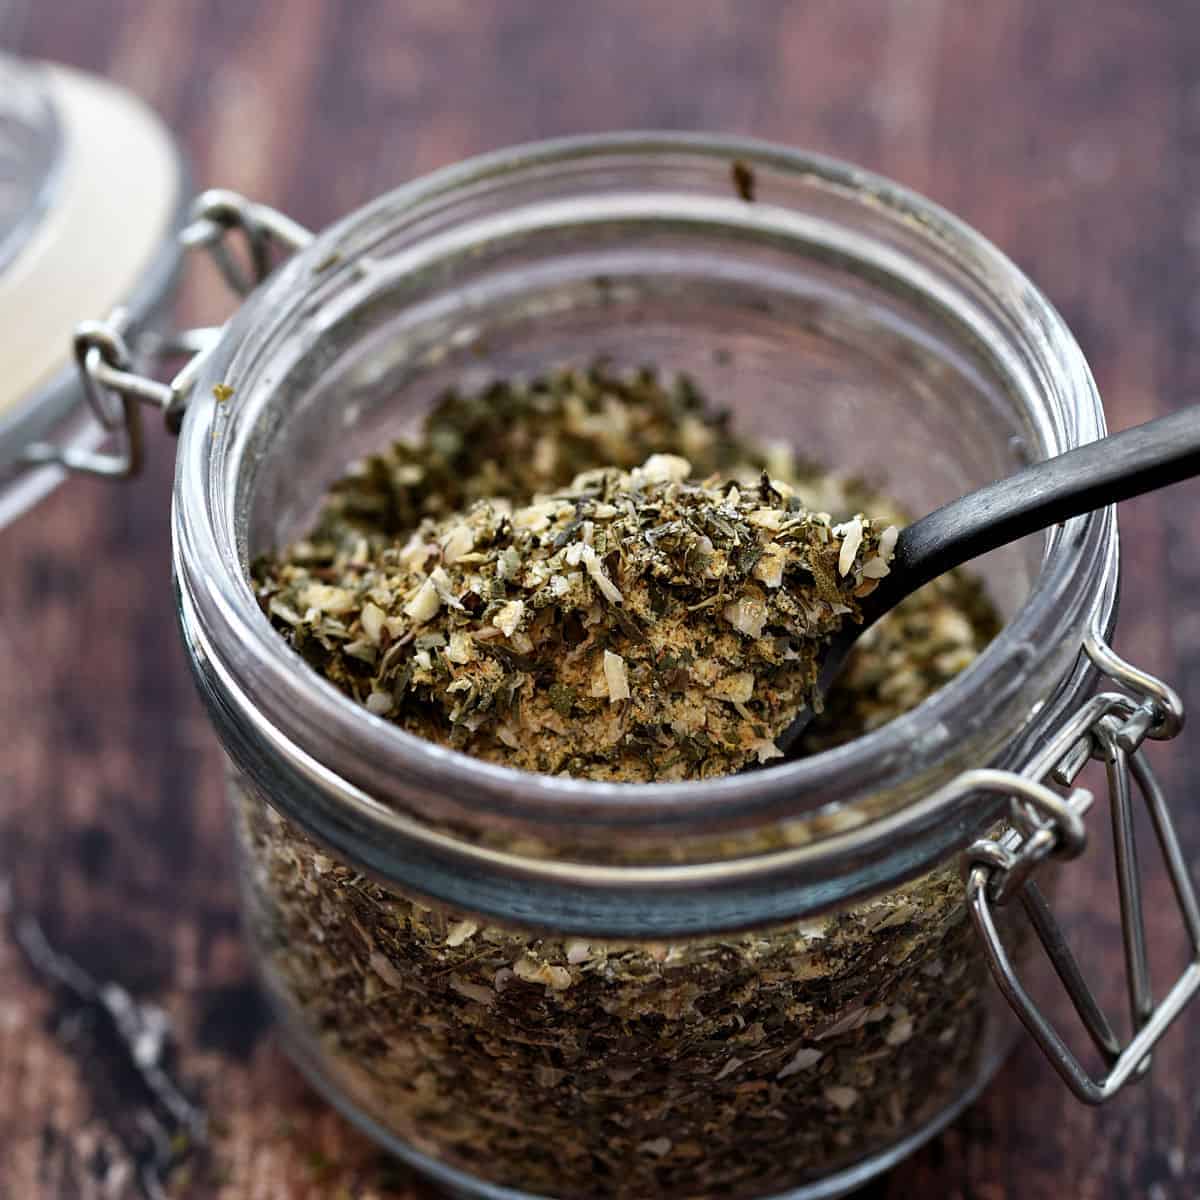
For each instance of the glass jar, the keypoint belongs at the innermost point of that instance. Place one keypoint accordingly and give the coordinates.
(767, 985)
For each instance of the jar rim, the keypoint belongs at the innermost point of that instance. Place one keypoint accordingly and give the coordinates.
(244, 665)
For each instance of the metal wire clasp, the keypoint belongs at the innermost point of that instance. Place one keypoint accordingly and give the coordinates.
(1112, 727)
(115, 388)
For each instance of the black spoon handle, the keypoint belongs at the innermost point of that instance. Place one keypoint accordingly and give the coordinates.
(1118, 467)
(1114, 468)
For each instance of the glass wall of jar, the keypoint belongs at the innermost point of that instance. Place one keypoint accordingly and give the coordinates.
(761, 985)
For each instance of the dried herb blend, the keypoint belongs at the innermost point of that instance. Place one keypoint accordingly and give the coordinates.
(736, 1067)
(513, 440)
(591, 574)
(632, 626)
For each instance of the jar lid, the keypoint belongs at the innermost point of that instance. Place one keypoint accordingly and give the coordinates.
(92, 192)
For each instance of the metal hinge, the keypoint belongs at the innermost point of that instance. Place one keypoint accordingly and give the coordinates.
(115, 388)
(1112, 727)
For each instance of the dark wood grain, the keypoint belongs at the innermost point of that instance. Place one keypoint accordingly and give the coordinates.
(1067, 132)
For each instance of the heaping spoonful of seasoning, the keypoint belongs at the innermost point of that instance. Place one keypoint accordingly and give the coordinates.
(1114, 468)
(629, 626)
(638, 625)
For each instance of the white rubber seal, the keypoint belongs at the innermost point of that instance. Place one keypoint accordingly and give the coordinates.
(117, 196)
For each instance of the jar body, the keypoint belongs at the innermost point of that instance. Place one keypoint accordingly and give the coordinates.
(795, 1061)
(535, 986)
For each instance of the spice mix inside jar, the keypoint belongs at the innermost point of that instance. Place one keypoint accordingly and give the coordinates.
(520, 912)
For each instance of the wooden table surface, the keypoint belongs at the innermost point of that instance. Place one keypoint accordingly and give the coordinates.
(1067, 132)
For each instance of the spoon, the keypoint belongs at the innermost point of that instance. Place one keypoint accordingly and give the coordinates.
(1117, 467)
